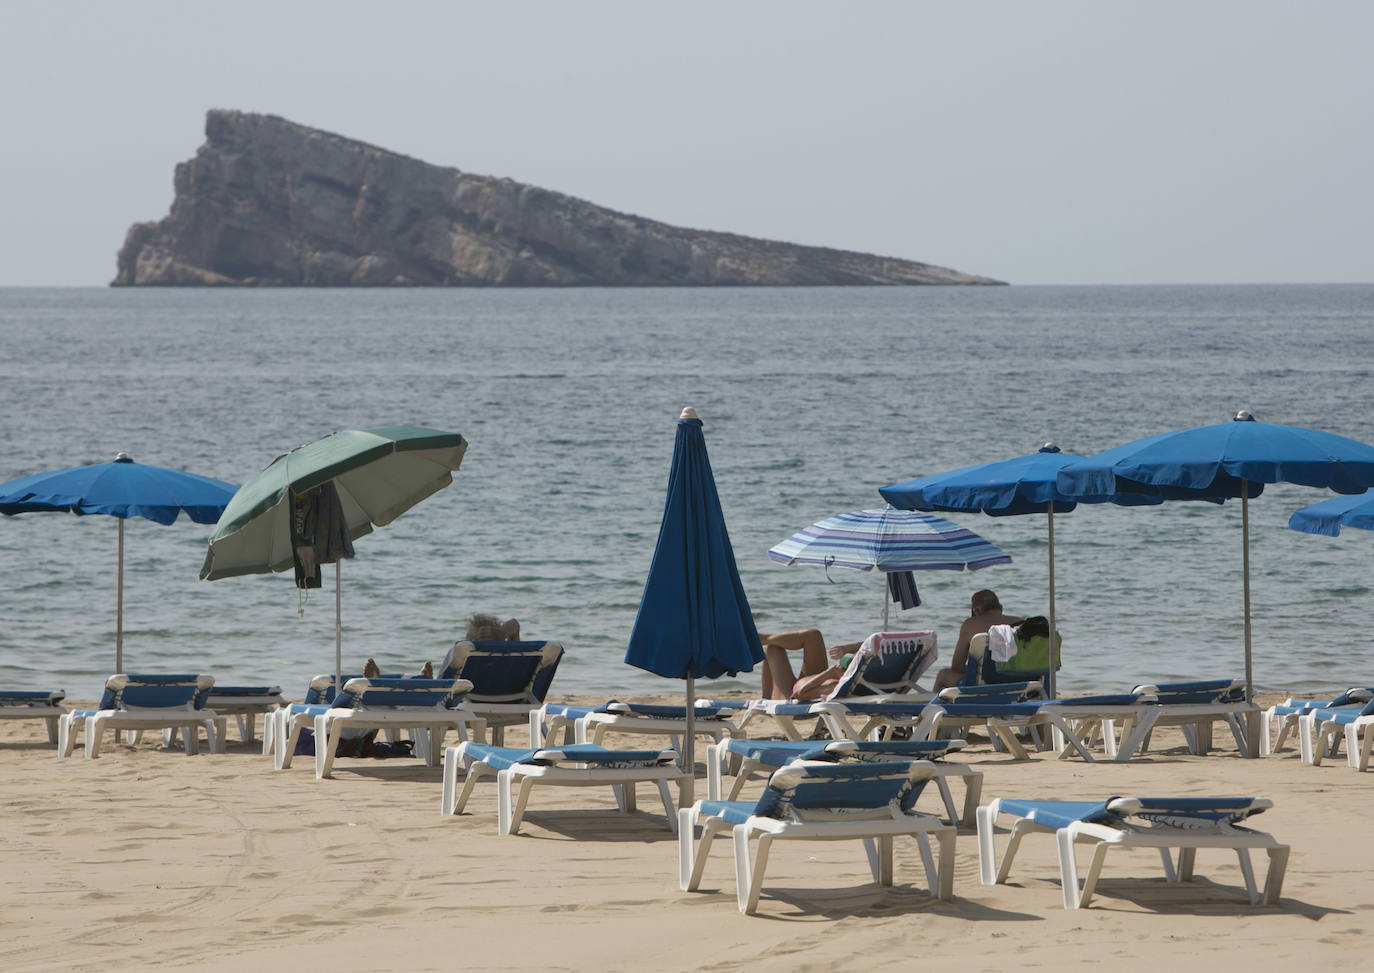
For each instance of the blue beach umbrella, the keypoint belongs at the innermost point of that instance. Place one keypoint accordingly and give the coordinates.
(122, 489)
(1006, 488)
(694, 619)
(1229, 459)
(889, 541)
(1329, 516)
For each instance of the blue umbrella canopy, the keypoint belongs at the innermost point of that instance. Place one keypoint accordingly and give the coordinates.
(123, 489)
(1329, 516)
(1230, 459)
(694, 619)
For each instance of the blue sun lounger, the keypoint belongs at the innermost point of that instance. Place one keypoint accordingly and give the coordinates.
(887, 666)
(769, 755)
(1194, 707)
(422, 706)
(1284, 716)
(509, 679)
(284, 725)
(1163, 823)
(590, 724)
(22, 704)
(136, 701)
(824, 801)
(1320, 732)
(578, 765)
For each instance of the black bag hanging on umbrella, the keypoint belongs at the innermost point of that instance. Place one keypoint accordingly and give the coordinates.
(319, 533)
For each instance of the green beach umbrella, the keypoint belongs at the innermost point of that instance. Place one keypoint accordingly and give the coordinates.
(350, 482)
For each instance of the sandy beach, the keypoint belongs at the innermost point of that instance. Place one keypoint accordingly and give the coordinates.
(148, 858)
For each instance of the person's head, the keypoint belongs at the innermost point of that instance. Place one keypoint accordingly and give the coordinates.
(489, 628)
(984, 601)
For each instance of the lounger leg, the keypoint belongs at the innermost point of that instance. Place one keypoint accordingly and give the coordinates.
(686, 850)
(94, 728)
(715, 756)
(326, 745)
(517, 812)
(52, 728)
(503, 812)
(1273, 881)
(451, 762)
(883, 873)
(703, 846)
(742, 774)
(1307, 730)
(987, 847)
(1137, 739)
(1094, 871)
(475, 772)
(269, 731)
(928, 863)
(749, 876)
(1248, 874)
(668, 806)
(1187, 858)
(1366, 741)
(947, 798)
(945, 877)
(288, 735)
(626, 794)
(65, 737)
(536, 728)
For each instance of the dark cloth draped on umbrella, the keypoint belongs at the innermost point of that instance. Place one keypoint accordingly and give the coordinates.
(694, 619)
(319, 533)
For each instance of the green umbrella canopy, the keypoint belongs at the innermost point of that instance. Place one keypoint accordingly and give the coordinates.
(379, 474)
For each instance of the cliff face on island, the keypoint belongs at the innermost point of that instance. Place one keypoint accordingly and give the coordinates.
(266, 202)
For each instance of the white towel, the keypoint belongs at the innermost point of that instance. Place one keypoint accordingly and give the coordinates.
(1002, 642)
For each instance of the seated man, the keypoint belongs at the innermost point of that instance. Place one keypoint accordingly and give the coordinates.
(985, 612)
(817, 678)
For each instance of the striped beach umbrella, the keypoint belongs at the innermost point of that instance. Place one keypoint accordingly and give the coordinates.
(890, 541)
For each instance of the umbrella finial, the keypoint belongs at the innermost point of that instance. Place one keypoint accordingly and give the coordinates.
(123, 457)
(689, 413)
(1049, 448)
(1243, 416)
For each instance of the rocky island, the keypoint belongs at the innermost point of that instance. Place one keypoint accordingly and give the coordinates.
(267, 202)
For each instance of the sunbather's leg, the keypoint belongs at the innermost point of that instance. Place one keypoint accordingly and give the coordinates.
(778, 675)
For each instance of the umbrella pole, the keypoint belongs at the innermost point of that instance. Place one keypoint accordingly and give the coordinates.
(338, 628)
(1053, 655)
(1245, 560)
(119, 605)
(686, 790)
(885, 599)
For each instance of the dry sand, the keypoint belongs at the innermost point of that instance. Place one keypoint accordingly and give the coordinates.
(148, 858)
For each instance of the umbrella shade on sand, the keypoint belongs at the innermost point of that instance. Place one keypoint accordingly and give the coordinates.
(1329, 516)
(890, 541)
(694, 619)
(1231, 459)
(1007, 488)
(308, 505)
(122, 489)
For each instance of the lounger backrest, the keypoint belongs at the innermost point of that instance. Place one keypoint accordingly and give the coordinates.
(31, 697)
(1197, 691)
(386, 692)
(143, 691)
(887, 662)
(812, 790)
(505, 672)
(1006, 692)
(1188, 812)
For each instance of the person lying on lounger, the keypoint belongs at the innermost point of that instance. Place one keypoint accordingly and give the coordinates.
(818, 675)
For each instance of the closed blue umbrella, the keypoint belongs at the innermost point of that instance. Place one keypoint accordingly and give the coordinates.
(123, 489)
(694, 619)
(1329, 516)
(1006, 488)
(1231, 459)
(890, 541)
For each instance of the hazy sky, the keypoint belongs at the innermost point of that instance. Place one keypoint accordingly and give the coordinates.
(1036, 142)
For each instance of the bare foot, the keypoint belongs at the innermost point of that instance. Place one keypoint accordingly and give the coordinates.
(370, 670)
(427, 671)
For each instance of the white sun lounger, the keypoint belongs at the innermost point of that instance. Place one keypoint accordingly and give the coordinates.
(769, 755)
(19, 704)
(424, 706)
(510, 680)
(1282, 718)
(1320, 732)
(578, 765)
(590, 724)
(1133, 822)
(822, 801)
(136, 701)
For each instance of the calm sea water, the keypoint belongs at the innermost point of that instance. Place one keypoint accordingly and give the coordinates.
(812, 399)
